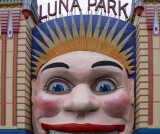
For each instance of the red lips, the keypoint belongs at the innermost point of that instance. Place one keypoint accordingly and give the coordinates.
(83, 127)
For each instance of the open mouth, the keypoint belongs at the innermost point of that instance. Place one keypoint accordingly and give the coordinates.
(56, 132)
(83, 128)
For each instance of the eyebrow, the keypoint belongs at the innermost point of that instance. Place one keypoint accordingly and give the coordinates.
(56, 64)
(106, 63)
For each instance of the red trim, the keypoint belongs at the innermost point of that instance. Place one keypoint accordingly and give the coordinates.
(26, 13)
(4, 14)
(3, 80)
(15, 55)
(150, 118)
(16, 19)
(139, 10)
(150, 16)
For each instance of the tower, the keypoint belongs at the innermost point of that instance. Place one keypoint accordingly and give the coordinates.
(17, 18)
(145, 16)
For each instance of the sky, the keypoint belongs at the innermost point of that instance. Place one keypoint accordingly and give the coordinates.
(84, 6)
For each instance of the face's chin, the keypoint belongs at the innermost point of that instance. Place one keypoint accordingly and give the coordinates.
(82, 106)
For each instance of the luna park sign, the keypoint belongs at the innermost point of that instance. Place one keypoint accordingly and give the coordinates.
(104, 5)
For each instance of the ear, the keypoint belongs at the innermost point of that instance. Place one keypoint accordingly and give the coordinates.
(131, 90)
(34, 85)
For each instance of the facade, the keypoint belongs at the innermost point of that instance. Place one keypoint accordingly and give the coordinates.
(147, 74)
(15, 67)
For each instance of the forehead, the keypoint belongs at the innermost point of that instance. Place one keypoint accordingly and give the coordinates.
(81, 59)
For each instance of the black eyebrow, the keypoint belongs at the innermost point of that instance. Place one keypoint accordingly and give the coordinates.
(56, 64)
(106, 63)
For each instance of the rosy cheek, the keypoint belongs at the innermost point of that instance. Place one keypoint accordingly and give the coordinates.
(47, 107)
(116, 106)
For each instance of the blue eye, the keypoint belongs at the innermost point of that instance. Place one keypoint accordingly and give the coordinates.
(58, 87)
(105, 86)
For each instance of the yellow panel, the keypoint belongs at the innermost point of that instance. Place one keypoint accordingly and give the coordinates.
(0, 64)
(141, 65)
(22, 29)
(21, 125)
(142, 112)
(142, 105)
(143, 85)
(156, 113)
(21, 67)
(22, 106)
(143, 26)
(141, 125)
(142, 72)
(9, 64)
(142, 79)
(142, 92)
(21, 61)
(23, 22)
(10, 44)
(23, 113)
(142, 45)
(23, 80)
(20, 86)
(143, 59)
(21, 54)
(0, 45)
(21, 41)
(142, 19)
(22, 35)
(23, 119)
(143, 32)
(141, 99)
(21, 100)
(0, 113)
(9, 90)
(156, 61)
(142, 119)
(143, 39)
(156, 42)
(9, 115)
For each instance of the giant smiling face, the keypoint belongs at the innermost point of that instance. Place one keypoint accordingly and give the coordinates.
(82, 92)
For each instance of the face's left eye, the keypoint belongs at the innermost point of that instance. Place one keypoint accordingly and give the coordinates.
(57, 87)
(105, 86)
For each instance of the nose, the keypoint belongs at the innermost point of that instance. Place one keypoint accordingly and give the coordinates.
(81, 100)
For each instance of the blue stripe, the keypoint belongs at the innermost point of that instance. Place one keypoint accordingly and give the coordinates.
(147, 131)
(15, 131)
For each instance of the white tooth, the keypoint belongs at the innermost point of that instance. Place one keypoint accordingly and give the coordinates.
(51, 132)
(116, 132)
(112, 132)
(75, 133)
(57, 132)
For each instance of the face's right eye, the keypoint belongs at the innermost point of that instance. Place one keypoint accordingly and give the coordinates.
(58, 87)
(105, 86)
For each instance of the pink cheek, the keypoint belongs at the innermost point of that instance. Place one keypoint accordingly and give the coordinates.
(117, 106)
(47, 107)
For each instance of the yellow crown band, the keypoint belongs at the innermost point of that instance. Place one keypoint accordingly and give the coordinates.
(64, 43)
